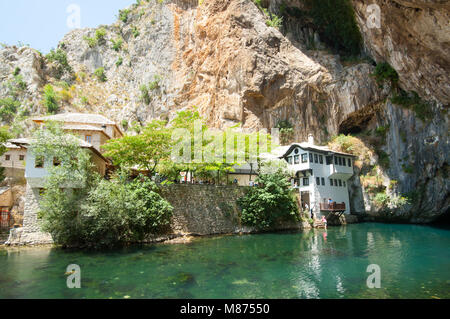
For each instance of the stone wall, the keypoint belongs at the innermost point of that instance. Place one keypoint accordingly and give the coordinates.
(199, 210)
(210, 210)
(30, 233)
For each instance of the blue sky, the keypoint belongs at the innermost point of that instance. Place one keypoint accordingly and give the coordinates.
(43, 23)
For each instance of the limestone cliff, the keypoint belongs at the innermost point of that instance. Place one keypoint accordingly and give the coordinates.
(223, 58)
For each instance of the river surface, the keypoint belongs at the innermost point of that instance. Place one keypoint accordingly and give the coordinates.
(414, 262)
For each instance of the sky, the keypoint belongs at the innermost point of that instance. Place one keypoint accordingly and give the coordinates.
(43, 23)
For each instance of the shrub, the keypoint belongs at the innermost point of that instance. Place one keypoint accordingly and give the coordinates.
(92, 42)
(65, 95)
(125, 124)
(384, 72)
(145, 97)
(123, 15)
(50, 99)
(106, 214)
(135, 32)
(100, 74)
(381, 199)
(84, 100)
(286, 131)
(274, 21)
(383, 158)
(60, 57)
(100, 35)
(336, 23)
(268, 203)
(8, 109)
(117, 44)
(20, 83)
(119, 61)
(155, 83)
(412, 101)
(16, 71)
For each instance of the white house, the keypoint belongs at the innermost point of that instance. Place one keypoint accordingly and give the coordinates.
(320, 175)
(36, 168)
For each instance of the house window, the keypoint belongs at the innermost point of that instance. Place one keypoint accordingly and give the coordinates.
(88, 138)
(323, 181)
(306, 181)
(335, 182)
(340, 161)
(21, 157)
(349, 162)
(7, 157)
(335, 160)
(318, 180)
(340, 183)
(297, 159)
(311, 158)
(316, 158)
(344, 184)
(39, 162)
(320, 159)
(331, 182)
(56, 161)
(329, 160)
(305, 158)
(289, 160)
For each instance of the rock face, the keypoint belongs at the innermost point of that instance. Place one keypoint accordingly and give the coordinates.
(414, 38)
(221, 57)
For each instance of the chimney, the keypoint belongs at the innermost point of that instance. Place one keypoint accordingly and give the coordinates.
(311, 139)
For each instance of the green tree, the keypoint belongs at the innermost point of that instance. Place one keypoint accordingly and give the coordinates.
(271, 201)
(144, 151)
(78, 208)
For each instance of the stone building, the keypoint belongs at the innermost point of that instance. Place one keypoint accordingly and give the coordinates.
(94, 129)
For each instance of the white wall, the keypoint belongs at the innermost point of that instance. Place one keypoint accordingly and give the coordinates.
(14, 161)
(338, 194)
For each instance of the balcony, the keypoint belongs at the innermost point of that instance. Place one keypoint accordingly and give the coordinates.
(339, 171)
(334, 207)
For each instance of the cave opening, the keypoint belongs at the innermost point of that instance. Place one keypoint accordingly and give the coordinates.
(358, 121)
(443, 220)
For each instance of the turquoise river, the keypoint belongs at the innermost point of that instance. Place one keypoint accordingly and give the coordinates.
(414, 263)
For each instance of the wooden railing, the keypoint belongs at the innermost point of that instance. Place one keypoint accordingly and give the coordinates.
(333, 207)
